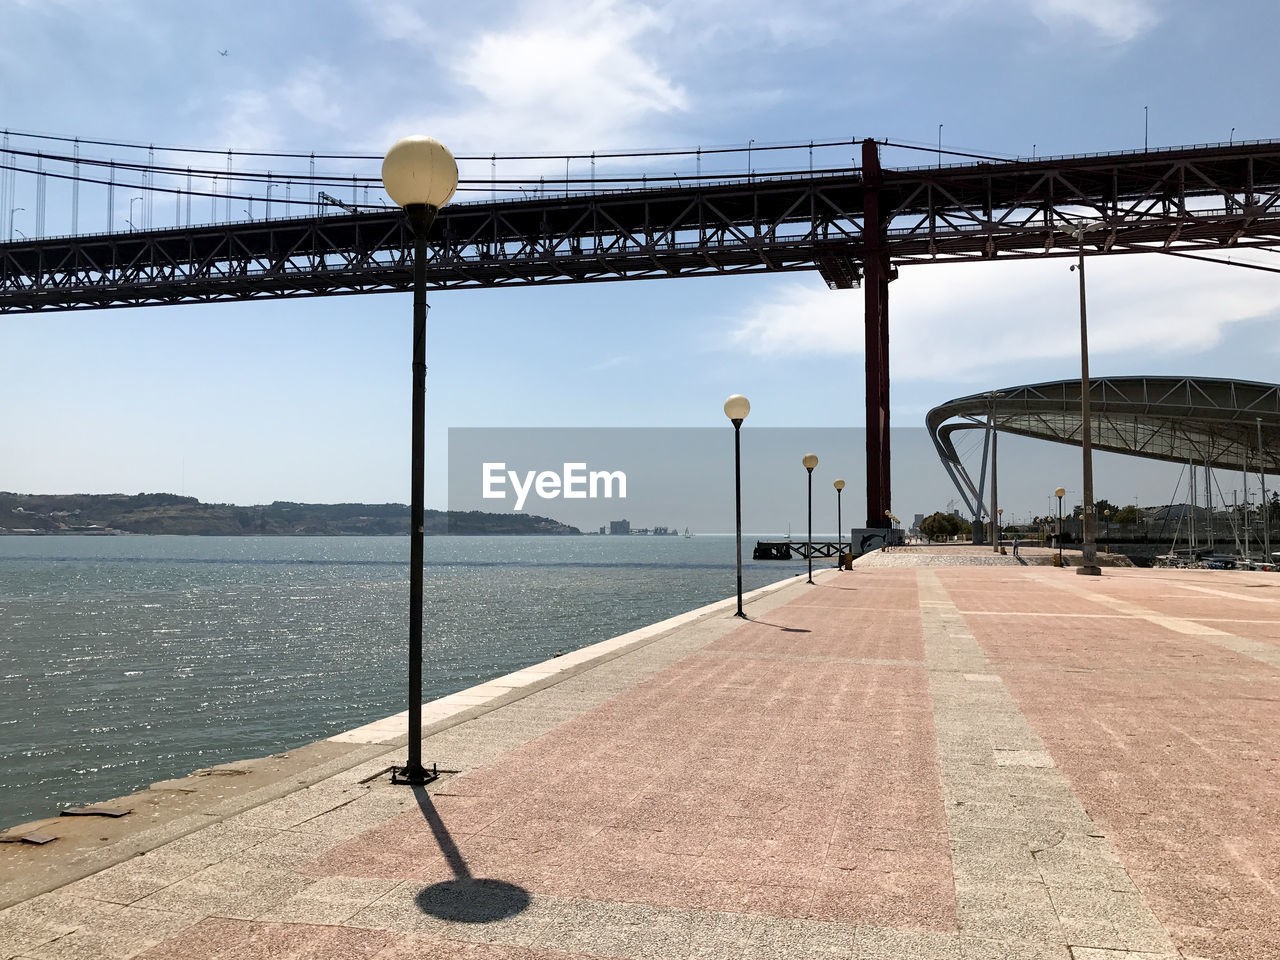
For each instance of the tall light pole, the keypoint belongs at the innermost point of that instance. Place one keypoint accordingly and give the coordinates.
(839, 485)
(736, 409)
(1060, 493)
(810, 461)
(420, 175)
(132, 201)
(12, 211)
(1088, 547)
(1266, 507)
(995, 512)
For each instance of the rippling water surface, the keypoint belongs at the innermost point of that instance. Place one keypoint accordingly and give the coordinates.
(127, 660)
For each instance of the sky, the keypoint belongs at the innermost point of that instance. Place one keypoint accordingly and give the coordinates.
(307, 400)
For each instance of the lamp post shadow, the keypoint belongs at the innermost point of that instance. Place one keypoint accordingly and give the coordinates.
(784, 629)
(465, 898)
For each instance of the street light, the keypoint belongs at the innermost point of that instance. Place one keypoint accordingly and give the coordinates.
(1266, 505)
(420, 175)
(839, 485)
(1060, 493)
(1088, 547)
(12, 211)
(736, 409)
(810, 461)
(129, 221)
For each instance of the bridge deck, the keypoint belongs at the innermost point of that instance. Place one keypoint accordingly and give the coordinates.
(1191, 198)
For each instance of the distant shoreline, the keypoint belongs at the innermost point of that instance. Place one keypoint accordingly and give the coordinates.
(99, 515)
(125, 533)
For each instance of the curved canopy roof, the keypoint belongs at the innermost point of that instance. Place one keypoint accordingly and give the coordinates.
(1162, 418)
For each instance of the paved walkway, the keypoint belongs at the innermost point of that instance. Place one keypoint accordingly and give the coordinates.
(979, 762)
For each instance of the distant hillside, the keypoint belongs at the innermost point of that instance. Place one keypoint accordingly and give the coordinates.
(167, 513)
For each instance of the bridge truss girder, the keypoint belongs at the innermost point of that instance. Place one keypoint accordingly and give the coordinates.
(1194, 199)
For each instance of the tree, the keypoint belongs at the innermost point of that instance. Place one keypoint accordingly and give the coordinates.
(1127, 514)
(940, 526)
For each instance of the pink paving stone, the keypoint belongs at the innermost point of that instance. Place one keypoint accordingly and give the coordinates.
(722, 781)
(1266, 631)
(1252, 610)
(1171, 742)
(1006, 596)
(220, 939)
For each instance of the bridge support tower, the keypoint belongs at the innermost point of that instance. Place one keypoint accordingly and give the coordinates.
(876, 274)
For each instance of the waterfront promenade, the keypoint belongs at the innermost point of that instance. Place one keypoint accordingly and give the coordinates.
(897, 762)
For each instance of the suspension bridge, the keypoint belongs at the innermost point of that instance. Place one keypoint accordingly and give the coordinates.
(120, 225)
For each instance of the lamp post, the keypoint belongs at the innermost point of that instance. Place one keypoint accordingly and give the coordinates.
(839, 485)
(1060, 493)
(12, 211)
(736, 409)
(1088, 547)
(995, 517)
(132, 201)
(420, 175)
(810, 461)
(1266, 505)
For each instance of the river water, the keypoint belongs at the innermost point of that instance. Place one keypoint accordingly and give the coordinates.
(127, 660)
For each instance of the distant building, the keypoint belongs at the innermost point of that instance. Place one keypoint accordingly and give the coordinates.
(619, 528)
(662, 531)
(603, 531)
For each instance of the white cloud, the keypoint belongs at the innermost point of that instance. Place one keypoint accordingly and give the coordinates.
(1117, 21)
(398, 19)
(966, 320)
(305, 99)
(561, 76)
